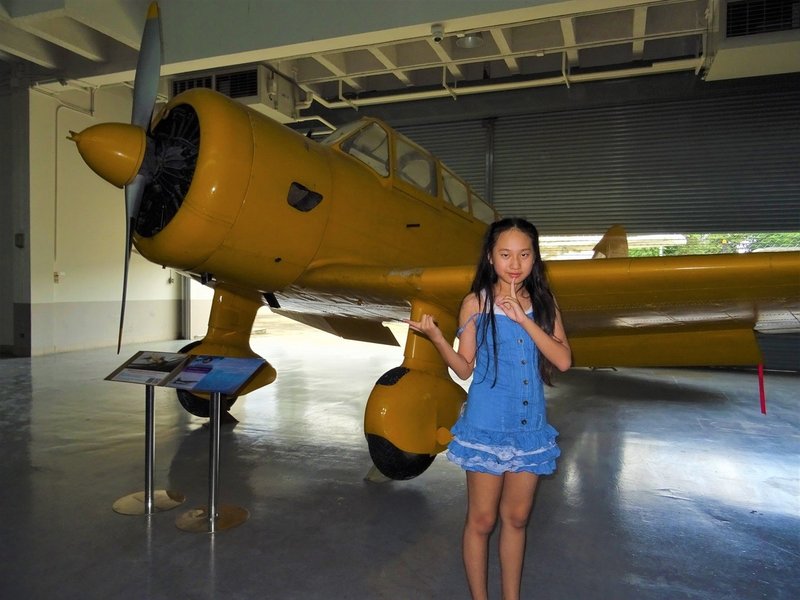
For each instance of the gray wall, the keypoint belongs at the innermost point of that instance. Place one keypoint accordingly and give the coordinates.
(6, 230)
(70, 223)
(15, 331)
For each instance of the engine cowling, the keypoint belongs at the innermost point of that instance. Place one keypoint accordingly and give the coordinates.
(232, 193)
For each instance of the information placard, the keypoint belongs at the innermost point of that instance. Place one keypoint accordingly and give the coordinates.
(205, 373)
(199, 373)
(149, 368)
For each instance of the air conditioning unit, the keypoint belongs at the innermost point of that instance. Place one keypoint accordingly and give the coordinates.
(256, 86)
(750, 38)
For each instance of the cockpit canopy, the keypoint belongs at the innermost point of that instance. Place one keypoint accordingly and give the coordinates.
(390, 154)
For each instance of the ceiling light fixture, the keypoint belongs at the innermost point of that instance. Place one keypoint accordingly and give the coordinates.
(470, 40)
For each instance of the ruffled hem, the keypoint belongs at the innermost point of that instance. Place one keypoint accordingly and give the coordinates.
(497, 452)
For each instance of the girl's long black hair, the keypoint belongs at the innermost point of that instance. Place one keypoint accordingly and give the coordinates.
(544, 304)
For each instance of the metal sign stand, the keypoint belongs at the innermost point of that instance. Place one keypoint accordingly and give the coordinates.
(204, 373)
(213, 517)
(148, 501)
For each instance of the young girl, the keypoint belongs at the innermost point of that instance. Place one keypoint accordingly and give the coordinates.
(510, 338)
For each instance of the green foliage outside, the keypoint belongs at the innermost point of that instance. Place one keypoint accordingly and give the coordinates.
(725, 243)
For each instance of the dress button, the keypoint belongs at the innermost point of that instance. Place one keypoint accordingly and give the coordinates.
(524, 362)
(524, 421)
(524, 403)
(519, 341)
(525, 382)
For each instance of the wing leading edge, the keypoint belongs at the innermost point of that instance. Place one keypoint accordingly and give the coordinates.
(661, 311)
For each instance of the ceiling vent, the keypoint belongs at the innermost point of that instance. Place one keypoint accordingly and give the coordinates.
(257, 87)
(750, 17)
(754, 37)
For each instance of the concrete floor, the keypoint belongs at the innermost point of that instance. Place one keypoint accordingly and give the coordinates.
(671, 485)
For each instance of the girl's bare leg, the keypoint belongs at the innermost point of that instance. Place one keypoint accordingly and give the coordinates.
(515, 509)
(483, 498)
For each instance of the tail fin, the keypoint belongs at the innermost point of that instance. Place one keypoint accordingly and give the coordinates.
(614, 244)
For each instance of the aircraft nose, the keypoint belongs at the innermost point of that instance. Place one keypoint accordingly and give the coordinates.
(114, 151)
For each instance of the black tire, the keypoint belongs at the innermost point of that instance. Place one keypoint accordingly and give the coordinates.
(197, 405)
(395, 463)
(201, 407)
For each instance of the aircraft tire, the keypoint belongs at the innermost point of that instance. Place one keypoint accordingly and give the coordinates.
(200, 406)
(395, 463)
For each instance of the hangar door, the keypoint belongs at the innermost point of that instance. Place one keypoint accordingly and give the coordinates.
(717, 164)
(712, 164)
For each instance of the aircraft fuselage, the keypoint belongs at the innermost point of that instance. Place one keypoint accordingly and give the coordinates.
(266, 205)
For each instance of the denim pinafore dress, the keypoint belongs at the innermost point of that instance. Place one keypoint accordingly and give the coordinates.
(503, 425)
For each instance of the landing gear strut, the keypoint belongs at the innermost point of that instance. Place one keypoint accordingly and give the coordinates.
(230, 325)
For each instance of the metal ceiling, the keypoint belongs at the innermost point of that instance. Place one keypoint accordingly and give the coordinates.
(644, 38)
(549, 43)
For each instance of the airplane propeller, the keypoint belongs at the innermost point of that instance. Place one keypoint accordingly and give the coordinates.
(129, 164)
(145, 88)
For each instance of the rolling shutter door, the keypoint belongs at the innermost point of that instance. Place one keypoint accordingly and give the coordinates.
(706, 165)
(714, 164)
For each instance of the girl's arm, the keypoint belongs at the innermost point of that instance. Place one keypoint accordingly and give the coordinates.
(462, 362)
(554, 347)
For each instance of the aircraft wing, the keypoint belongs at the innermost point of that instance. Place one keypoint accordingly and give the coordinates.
(662, 311)
(325, 297)
(676, 311)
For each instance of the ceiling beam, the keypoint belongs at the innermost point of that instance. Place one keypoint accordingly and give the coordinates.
(503, 44)
(383, 56)
(68, 34)
(28, 47)
(444, 56)
(568, 31)
(639, 31)
(338, 66)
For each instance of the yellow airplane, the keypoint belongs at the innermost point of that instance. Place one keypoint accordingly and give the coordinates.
(366, 227)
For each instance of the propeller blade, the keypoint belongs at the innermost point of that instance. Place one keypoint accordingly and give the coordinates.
(148, 70)
(124, 284)
(133, 200)
(145, 88)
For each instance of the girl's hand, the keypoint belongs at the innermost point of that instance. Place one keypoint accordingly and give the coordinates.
(427, 326)
(510, 305)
